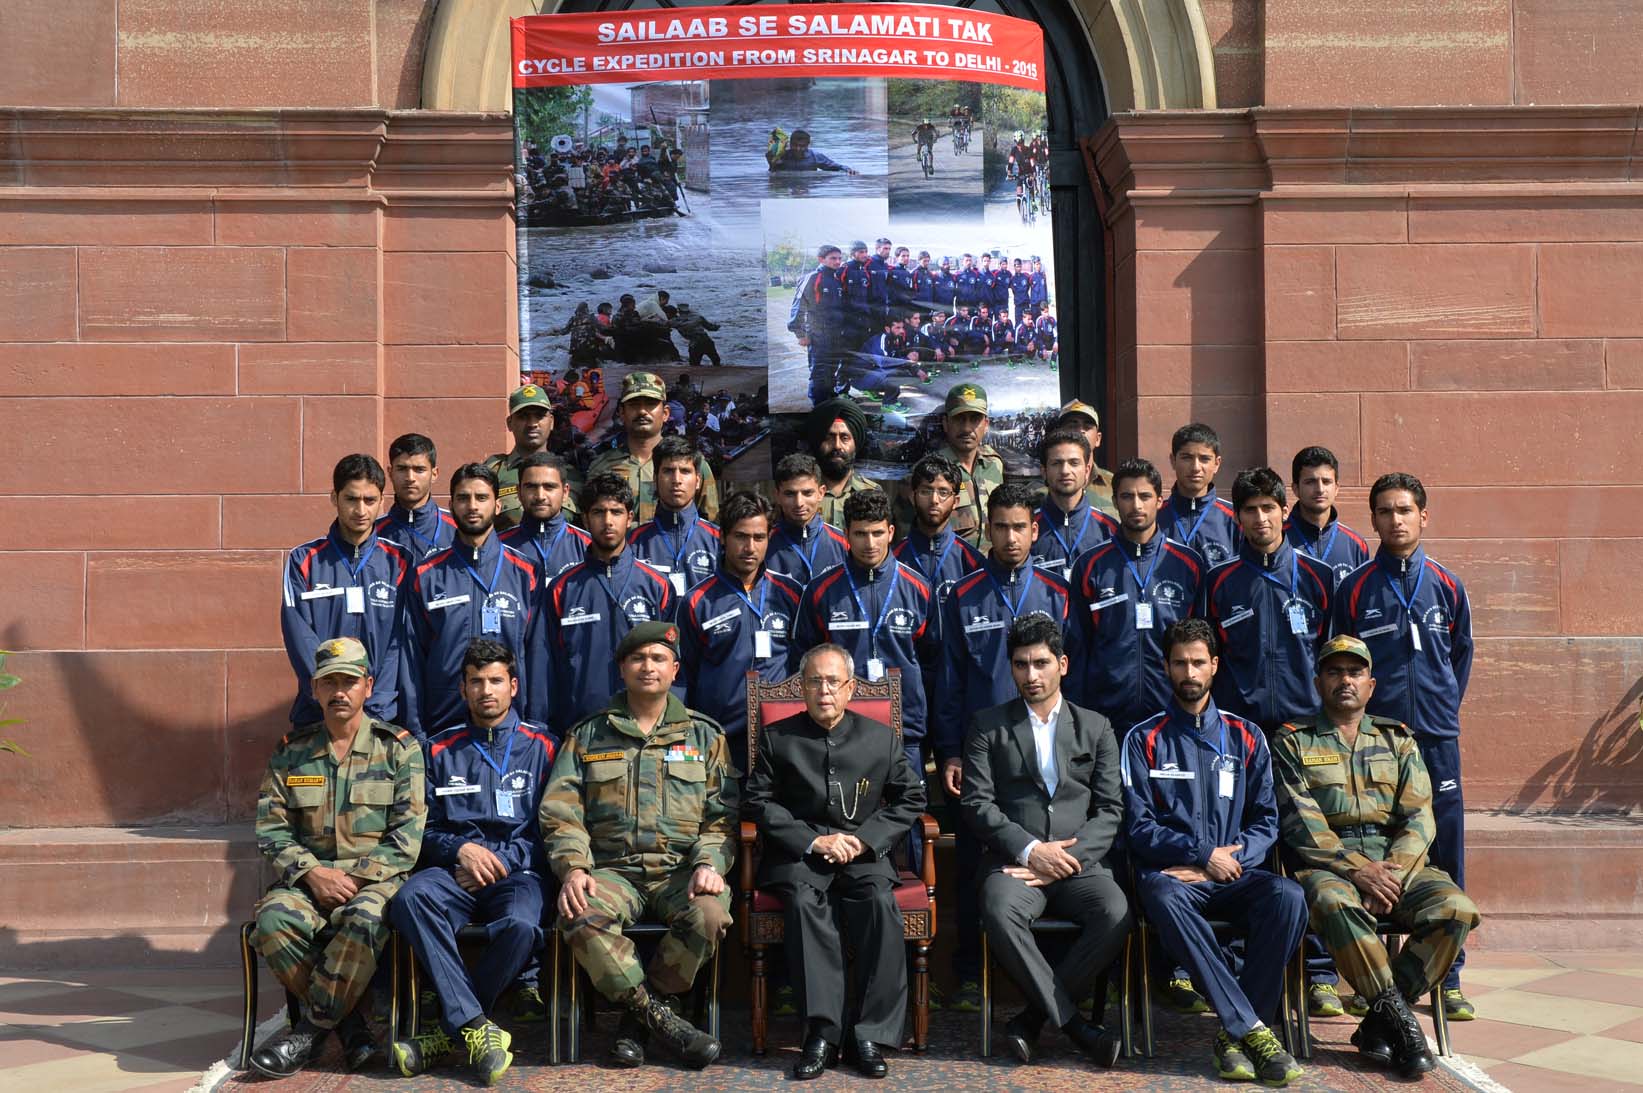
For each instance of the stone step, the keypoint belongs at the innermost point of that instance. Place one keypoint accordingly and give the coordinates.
(133, 897)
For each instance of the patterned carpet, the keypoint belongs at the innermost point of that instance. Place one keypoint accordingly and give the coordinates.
(952, 1065)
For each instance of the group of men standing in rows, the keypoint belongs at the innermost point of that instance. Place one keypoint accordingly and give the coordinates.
(1187, 680)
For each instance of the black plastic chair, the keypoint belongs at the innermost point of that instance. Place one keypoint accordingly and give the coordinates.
(1051, 927)
(580, 995)
(1394, 936)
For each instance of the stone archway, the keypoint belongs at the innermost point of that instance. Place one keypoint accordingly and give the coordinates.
(1152, 54)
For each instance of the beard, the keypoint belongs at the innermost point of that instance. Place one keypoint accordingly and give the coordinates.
(836, 465)
(1189, 690)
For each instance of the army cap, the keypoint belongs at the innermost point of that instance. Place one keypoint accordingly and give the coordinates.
(643, 385)
(341, 656)
(1077, 406)
(1351, 646)
(649, 633)
(526, 396)
(966, 398)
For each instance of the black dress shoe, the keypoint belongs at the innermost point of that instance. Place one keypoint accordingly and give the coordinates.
(1094, 1041)
(865, 1057)
(1021, 1035)
(817, 1056)
(289, 1052)
(358, 1045)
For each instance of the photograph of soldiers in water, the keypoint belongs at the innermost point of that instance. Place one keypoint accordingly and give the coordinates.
(883, 322)
(652, 330)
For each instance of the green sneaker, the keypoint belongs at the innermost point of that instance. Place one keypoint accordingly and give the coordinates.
(488, 1053)
(1456, 1006)
(937, 999)
(526, 1006)
(1323, 1001)
(967, 999)
(421, 1054)
(1180, 996)
(1273, 1065)
(785, 1003)
(1356, 1004)
(1230, 1061)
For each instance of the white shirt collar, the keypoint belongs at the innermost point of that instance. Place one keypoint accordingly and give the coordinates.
(1044, 723)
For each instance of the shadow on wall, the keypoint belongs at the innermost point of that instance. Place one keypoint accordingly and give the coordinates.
(1601, 776)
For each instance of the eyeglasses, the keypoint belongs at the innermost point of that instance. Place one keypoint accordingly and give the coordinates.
(825, 686)
(927, 493)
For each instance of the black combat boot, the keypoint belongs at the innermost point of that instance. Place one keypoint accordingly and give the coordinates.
(289, 1052)
(628, 1049)
(696, 1048)
(1409, 1051)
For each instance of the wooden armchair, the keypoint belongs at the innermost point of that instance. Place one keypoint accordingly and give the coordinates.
(761, 917)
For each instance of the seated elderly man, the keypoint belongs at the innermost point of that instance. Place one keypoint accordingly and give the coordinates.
(482, 862)
(636, 821)
(833, 792)
(340, 820)
(1355, 804)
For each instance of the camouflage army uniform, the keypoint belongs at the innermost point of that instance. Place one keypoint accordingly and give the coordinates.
(1345, 806)
(1099, 491)
(363, 815)
(641, 813)
(642, 478)
(506, 466)
(969, 520)
(832, 504)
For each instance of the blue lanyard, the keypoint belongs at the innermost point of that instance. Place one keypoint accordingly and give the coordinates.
(1079, 538)
(1140, 581)
(1193, 534)
(615, 597)
(810, 561)
(496, 576)
(684, 541)
(410, 526)
(365, 556)
(1294, 574)
(1322, 555)
(764, 597)
(934, 575)
(1409, 604)
(1026, 587)
(884, 612)
(553, 546)
(507, 754)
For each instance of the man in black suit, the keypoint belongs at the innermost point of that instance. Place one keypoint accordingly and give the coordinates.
(1042, 792)
(832, 792)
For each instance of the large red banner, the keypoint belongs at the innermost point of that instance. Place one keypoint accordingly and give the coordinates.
(885, 41)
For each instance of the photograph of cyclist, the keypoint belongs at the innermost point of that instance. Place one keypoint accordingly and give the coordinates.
(935, 168)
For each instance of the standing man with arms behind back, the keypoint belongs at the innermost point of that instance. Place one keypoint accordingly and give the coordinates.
(1194, 516)
(416, 521)
(1414, 616)
(339, 820)
(1314, 527)
(1021, 760)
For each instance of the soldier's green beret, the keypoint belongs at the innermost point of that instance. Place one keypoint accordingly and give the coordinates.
(341, 656)
(967, 398)
(528, 395)
(1351, 646)
(649, 633)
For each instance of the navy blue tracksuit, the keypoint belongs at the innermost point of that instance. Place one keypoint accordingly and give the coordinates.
(586, 612)
(1335, 545)
(973, 674)
(1063, 536)
(803, 552)
(1192, 784)
(1207, 524)
(551, 546)
(334, 590)
(425, 532)
(1385, 603)
(719, 622)
(1270, 613)
(484, 787)
(681, 546)
(1117, 667)
(455, 596)
(942, 560)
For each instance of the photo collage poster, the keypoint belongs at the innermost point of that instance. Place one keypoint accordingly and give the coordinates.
(773, 206)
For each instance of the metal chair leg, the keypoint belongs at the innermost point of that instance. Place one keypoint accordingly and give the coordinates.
(396, 949)
(1126, 1032)
(553, 998)
(713, 997)
(413, 1003)
(1440, 1020)
(575, 1053)
(248, 975)
(1146, 992)
(986, 998)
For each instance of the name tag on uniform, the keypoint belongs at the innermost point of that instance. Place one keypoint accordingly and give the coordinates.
(355, 600)
(1109, 601)
(600, 756)
(448, 601)
(1238, 617)
(677, 580)
(578, 620)
(1319, 760)
(1389, 628)
(490, 620)
(1223, 782)
(761, 644)
(322, 593)
(978, 627)
(1297, 619)
(1172, 775)
(1415, 635)
(1143, 616)
(723, 616)
(305, 779)
(452, 791)
(836, 627)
